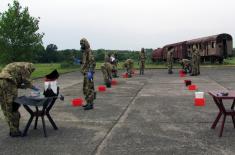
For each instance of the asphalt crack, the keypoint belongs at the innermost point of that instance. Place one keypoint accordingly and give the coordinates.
(120, 120)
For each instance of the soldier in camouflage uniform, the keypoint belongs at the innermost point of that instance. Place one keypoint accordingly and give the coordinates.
(13, 76)
(198, 57)
(194, 62)
(129, 65)
(142, 61)
(186, 65)
(170, 60)
(88, 69)
(114, 63)
(106, 69)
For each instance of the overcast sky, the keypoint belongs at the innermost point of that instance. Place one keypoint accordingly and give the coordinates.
(129, 24)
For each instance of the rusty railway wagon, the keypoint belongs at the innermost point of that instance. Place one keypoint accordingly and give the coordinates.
(212, 48)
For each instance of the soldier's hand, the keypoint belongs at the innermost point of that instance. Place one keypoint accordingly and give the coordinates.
(35, 88)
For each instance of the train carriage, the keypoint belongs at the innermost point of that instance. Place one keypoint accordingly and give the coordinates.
(213, 48)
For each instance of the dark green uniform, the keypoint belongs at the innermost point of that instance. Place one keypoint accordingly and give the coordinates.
(170, 61)
(129, 65)
(142, 61)
(88, 65)
(106, 69)
(13, 76)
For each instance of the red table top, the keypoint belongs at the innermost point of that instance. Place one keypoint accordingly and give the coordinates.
(231, 94)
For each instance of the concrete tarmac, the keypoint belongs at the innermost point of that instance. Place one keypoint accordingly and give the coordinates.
(147, 114)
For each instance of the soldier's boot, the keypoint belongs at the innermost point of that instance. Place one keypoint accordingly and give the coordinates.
(15, 134)
(14, 125)
(108, 84)
(94, 95)
(89, 106)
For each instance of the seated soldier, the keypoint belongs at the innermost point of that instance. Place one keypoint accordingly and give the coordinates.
(186, 65)
(129, 66)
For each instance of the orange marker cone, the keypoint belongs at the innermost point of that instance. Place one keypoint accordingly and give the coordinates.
(192, 87)
(77, 102)
(101, 88)
(114, 82)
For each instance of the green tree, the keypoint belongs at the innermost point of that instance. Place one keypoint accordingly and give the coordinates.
(18, 34)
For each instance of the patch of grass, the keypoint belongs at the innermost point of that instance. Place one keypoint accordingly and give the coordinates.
(230, 61)
(43, 69)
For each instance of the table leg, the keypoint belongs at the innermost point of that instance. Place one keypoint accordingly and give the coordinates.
(36, 120)
(30, 120)
(44, 126)
(222, 126)
(216, 120)
(52, 122)
(232, 107)
(28, 125)
(233, 117)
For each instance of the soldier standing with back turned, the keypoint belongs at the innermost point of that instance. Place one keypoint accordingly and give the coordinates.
(142, 61)
(13, 76)
(170, 60)
(194, 62)
(106, 69)
(88, 70)
(198, 61)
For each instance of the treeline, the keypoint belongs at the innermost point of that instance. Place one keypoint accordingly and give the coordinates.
(51, 55)
(21, 41)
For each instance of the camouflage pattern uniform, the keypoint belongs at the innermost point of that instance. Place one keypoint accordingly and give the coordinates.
(129, 65)
(194, 62)
(114, 65)
(142, 61)
(186, 65)
(198, 60)
(13, 76)
(106, 69)
(170, 61)
(88, 64)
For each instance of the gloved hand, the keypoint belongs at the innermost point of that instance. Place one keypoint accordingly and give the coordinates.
(35, 88)
(90, 75)
(61, 97)
(78, 61)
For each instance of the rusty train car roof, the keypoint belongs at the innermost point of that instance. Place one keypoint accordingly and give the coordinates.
(179, 43)
(202, 39)
(209, 38)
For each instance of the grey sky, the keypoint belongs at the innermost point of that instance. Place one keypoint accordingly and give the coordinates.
(129, 24)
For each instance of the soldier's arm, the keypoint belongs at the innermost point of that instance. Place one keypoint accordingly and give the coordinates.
(84, 64)
(92, 64)
(26, 83)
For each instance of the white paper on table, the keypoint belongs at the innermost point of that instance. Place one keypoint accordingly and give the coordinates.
(52, 85)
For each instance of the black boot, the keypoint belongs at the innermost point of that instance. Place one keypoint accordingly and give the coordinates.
(15, 134)
(94, 95)
(108, 85)
(89, 106)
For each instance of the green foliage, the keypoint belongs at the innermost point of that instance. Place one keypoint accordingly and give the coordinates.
(19, 39)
